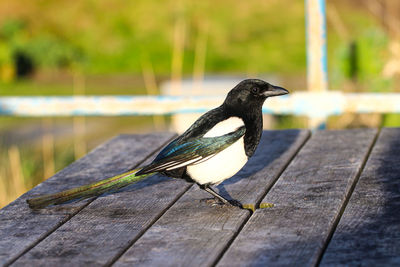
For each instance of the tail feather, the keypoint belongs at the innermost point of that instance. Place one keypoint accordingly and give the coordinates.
(86, 191)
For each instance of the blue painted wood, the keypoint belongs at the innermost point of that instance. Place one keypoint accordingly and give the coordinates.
(111, 105)
(317, 68)
(310, 104)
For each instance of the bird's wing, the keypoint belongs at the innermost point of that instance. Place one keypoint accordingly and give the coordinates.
(191, 152)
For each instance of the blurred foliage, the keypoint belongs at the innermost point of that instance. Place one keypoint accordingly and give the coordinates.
(290, 122)
(113, 36)
(242, 37)
(362, 61)
(23, 50)
(391, 120)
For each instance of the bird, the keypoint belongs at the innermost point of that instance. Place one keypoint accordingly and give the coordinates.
(214, 148)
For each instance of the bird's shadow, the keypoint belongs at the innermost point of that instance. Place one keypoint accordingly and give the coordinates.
(273, 145)
(375, 205)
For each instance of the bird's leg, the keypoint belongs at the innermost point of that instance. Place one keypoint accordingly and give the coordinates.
(208, 189)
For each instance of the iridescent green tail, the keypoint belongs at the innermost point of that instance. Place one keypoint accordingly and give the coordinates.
(86, 191)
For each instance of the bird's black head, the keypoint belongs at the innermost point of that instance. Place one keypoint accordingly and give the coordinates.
(249, 95)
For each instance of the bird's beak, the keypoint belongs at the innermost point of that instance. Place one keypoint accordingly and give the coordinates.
(275, 91)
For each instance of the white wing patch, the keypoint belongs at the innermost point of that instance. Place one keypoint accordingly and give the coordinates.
(184, 163)
(220, 166)
(223, 165)
(224, 127)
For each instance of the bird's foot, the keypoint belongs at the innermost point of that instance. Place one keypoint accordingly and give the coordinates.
(235, 203)
(212, 201)
(217, 202)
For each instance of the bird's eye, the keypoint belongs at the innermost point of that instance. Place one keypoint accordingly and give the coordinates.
(255, 90)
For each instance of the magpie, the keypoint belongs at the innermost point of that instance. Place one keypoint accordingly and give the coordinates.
(213, 149)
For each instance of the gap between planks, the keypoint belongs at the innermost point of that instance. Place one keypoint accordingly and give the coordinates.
(139, 235)
(368, 233)
(41, 238)
(347, 199)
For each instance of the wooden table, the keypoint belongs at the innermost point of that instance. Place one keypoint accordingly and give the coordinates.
(335, 196)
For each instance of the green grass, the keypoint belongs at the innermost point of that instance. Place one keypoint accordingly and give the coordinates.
(30, 88)
(62, 84)
(79, 37)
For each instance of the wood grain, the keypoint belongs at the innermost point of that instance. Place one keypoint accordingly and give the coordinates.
(368, 233)
(307, 199)
(21, 228)
(193, 232)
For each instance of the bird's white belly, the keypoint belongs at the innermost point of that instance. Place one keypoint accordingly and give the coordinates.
(220, 167)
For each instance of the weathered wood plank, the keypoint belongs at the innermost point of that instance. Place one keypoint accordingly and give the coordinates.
(307, 199)
(194, 233)
(108, 225)
(21, 228)
(368, 233)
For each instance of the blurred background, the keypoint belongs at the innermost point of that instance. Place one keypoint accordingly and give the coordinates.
(118, 47)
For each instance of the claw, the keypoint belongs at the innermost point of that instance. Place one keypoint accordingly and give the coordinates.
(235, 203)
